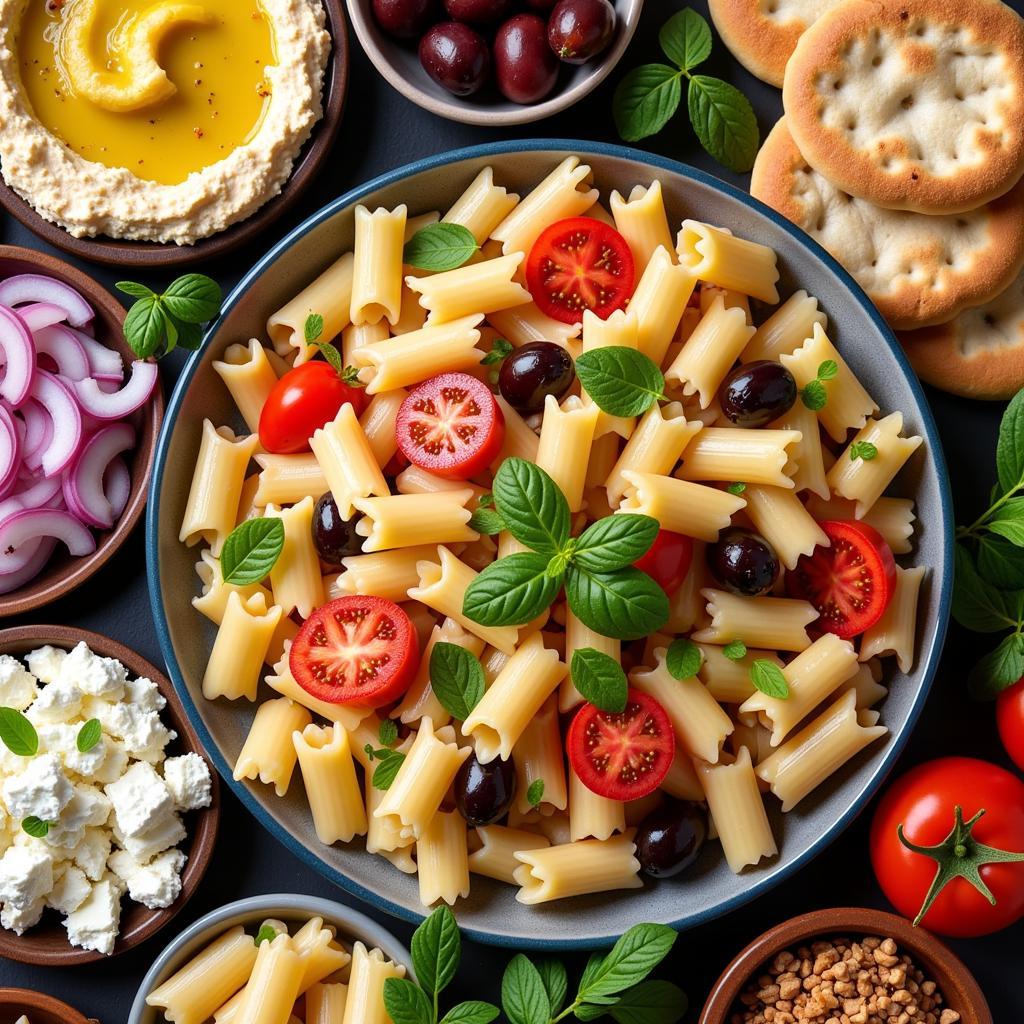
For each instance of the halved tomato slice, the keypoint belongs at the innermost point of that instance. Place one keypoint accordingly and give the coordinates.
(850, 583)
(667, 560)
(577, 264)
(451, 426)
(355, 650)
(622, 756)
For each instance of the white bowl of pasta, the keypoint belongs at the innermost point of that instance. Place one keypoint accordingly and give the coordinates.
(746, 699)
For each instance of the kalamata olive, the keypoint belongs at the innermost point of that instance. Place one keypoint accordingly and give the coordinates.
(456, 57)
(533, 372)
(670, 839)
(484, 792)
(478, 12)
(743, 562)
(580, 29)
(404, 19)
(756, 393)
(525, 67)
(333, 537)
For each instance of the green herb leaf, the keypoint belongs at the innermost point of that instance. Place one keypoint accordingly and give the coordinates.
(511, 591)
(532, 505)
(1000, 563)
(556, 982)
(683, 658)
(724, 122)
(828, 370)
(485, 501)
(252, 550)
(686, 39)
(1010, 446)
(139, 291)
(436, 951)
(862, 450)
(35, 827)
(333, 357)
(735, 650)
(768, 678)
(499, 350)
(593, 1011)
(977, 606)
(590, 971)
(313, 328)
(535, 792)
(388, 764)
(193, 298)
(89, 735)
(1008, 521)
(814, 395)
(145, 327)
(267, 933)
(650, 1002)
(645, 101)
(631, 959)
(457, 679)
(387, 734)
(599, 679)
(472, 1012)
(406, 1003)
(625, 604)
(486, 520)
(999, 668)
(615, 542)
(621, 381)
(737, 488)
(189, 336)
(523, 996)
(18, 733)
(440, 247)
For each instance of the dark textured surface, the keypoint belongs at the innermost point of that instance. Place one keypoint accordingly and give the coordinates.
(381, 131)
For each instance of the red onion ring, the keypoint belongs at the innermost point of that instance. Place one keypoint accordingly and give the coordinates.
(63, 347)
(105, 363)
(33, 288)
(36, 523)
(117, 405)
(117, 485)
(19, 357)
(83, 482)
(30, 570)
(40, 314)
(10, 452)
(59, 402)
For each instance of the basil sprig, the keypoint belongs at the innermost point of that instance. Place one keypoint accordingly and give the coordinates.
(439, 247)
(864, 450)
(683, 658)
(158, 323)
(457, 679)
(388, 761)
(768, 678)
(251, 550)
(621, 381)
(814, 394)
(599, 679)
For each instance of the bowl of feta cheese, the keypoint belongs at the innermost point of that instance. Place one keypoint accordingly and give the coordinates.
(108, 808)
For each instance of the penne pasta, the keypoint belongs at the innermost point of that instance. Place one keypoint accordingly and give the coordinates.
(268, 752)
(722, 259)
(778, 623)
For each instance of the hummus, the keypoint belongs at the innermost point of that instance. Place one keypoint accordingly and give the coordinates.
(156, 120)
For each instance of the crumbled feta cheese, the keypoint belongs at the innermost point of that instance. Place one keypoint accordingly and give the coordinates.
(88, 807)
(114, 764)
(57, 738)
(69, 891)
(19, 919)
(93, 674)
(142, 731)
(17, 686)
(92, 852)
(94, 924)
(11, 764)
(162, 836)
(42, 789)
(89, 762)
(44, 662)
(140, 799)
(144, 694)
(154, 885)
(59, 702)
(26, 875)
(188, 779)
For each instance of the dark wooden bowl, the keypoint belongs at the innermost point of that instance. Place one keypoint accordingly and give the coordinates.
(63, 573)
(39, 1008)
(47, 943)
(155, 254)
(959, 989)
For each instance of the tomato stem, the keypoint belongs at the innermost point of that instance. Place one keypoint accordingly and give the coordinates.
(959, 855)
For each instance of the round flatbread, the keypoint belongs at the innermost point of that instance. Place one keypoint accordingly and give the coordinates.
(762, 34)
(912, 104)
(980, 353)
(917, 270)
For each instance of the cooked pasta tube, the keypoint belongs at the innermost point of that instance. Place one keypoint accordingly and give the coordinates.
(416, 480)
(389, 574)
(778, 623)
(377, 273)
(325, 1004)
(893, 518)
(330, 296)
(865, 684)
(286, 479)
(618, 330)
(249, 377)
(247, 507)
(575, 869)
(807, 454)
(729, 681)
(780, 517)
(709, 293)
(325, 762)
(442, 859)
(295, 577)
(281, 681)
(408, 520)
(411, 317)
(737, 453)
(523, 324)
(240, 648)
(895, 631)
(577, 636)
(268, 752)
(516, 695)
(786, 329)
(721, 258)
(520, 440)
(473, 288)
(642, 221)
(592, 816)
(273, 985)
(482, 207)
(687, 607)
(566, 435)
(364, 1003)
(681, 780)
(539, 755)
(346, 460)
(823, 746)
(679, 505)
(357, 335)
(496, 857)
(659, 301)
(383, 836)
(378, 422)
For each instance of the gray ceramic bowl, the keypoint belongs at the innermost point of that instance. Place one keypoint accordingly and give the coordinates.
(293, 909)
(492, 914)
(399, 63)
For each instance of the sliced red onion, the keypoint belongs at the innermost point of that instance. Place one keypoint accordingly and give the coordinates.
(33, 288)
(83, 482)
(10, 452)
(105, 363)
(121, 403)
(66, 351)
(19, 357)
(38, 435)
(59, 403)
(34, 523)
(38, 492)
(117, 485)
(41, 314)
(30, 570)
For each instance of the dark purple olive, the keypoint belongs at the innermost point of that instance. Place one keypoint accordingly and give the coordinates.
(743, 562)
(524, 65)
(478, 12)
(404, 19)
(533, 372)
(670, 839)
(333, 537)
(456, 57)
(580, 29)
(484, 792)
(756, 393)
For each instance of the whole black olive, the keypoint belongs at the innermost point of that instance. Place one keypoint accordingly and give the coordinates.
(670, 839)
(484, 792)
(743, 562)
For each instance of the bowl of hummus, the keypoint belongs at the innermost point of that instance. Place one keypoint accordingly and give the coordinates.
(155, 131)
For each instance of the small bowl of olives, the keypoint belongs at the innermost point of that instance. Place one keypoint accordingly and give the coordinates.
(495, 62)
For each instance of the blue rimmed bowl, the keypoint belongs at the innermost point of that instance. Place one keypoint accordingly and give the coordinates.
(491, 914)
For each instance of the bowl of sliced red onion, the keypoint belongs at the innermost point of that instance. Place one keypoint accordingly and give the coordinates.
(79, 417)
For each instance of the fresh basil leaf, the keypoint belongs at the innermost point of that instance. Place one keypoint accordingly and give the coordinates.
(331, 356)
(977, 606)
(625, 604)
(599, 679)
(18, 733)
(389, 762)
(89, 735)
(590, 971)
(1000, 563)
(511, 591)
(999, 668)
(523, 996)
(139, 291)
(724, 122)
(594, 1011)
(313, 328)
(645, 101)
(436, 950)
(735, 650)
(683, 658)
(267, 933)
(615, 542)
(485, 501)
(190, 336)
(170, 332)
(814, 395)
(193, 298)
(499, 351)
(406, 1003)
(472, 1012)
(535, 792)
(252, 550)
(1010, 446)
(532, 506)
(828, 369)
(145, 327)
(631, 959)
(768, 678)
(864, 450)
(387, 734)
(651, 1002)
(556, 982)
(621, 381)
(457, 680)
(737, 488)
(686, 39)
(439, 247)
(1008, 521)
(487, 521)
(35, 827)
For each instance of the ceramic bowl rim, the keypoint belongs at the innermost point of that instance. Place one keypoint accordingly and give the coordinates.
(494, 150)
(13, 995)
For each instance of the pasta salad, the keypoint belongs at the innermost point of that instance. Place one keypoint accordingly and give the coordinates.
(568, 543)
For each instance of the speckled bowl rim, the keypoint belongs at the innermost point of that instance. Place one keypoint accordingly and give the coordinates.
(926, 670)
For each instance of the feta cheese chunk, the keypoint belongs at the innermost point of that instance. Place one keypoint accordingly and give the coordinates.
(59, 702)
(162, 836)
(94, 924)
(26, 876)
(20, 919)
(154, 885)
(69, 891)
(42, 789)
(143, 733)
(44, 662)
(114, 763)
(17, 686)
(93, 674)
(92, 852)
(144, 694)
(188, 779)
(89, 762)
(141, 800)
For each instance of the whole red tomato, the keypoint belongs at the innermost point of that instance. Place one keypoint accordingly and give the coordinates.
(1010, 720)
(966, 817)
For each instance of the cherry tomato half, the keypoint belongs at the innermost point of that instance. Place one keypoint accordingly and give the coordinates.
(577, 264)
(924, 802)
(850, 582)
(450, 426)
(303, 400)
(622, 756)
(668, 560)
(1010, 721)
(356, 650)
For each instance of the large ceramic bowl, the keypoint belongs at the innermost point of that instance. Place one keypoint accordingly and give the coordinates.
(492, 914)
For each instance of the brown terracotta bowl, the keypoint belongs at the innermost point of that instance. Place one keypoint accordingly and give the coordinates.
(39, 1008)
(959, 989)
(155, 254)
(64, 573)
(47, 942)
